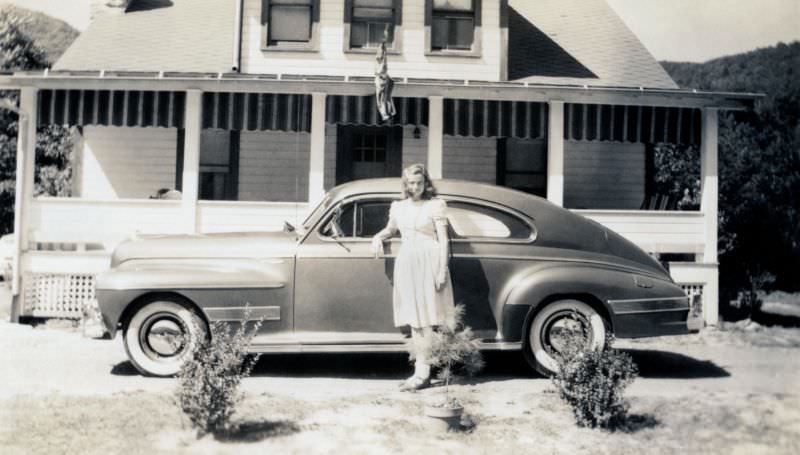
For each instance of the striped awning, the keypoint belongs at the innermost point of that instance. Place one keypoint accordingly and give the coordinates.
(362, 110)
(111, 108)
(517, 119)
(257, 111)
(602, 122)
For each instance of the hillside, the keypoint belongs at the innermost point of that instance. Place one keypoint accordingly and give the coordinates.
(52, 35)
(774, 71)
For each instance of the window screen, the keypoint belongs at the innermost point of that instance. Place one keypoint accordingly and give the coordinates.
(453, 24)
(290, 21)
(369, 19)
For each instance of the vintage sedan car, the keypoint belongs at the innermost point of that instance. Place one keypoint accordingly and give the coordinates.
(528, 273)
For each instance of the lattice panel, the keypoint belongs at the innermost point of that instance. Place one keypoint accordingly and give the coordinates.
(57, 295)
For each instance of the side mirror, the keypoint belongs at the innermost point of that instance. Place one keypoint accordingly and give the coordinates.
(287, 227)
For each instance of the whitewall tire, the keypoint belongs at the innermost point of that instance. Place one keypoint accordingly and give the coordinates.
(161, 335)
(545, 334)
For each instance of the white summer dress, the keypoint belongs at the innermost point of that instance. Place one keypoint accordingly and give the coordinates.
(416, 301)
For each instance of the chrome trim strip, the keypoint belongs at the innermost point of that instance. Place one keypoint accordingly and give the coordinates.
(377, 347)
(198, 286)
(660, 310)
(652, 299)
(235, 313)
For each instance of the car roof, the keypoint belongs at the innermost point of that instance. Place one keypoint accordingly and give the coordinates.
(455, 187)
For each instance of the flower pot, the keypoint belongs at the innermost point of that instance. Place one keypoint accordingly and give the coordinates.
(445, 417)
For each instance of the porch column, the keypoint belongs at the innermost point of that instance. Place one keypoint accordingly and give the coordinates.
(316, 176)
(555, 153)
(708, 205)
(435, 135)
(23, 196)
(191, 159)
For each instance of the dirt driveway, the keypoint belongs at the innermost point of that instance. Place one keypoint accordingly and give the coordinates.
(717, 392)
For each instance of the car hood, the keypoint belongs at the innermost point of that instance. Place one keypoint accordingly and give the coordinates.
(227, 245)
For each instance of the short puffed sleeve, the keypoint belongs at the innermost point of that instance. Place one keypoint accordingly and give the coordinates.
(438, 211)
(392, 224)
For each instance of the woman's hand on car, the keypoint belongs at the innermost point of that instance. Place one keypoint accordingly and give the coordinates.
(377, 246)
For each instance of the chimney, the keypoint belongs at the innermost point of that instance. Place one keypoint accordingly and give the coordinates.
(103, 7)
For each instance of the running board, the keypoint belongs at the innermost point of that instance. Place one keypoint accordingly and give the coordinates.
(385, 347)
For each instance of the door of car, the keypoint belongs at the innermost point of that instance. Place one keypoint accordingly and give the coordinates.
(343, 294)
(486, 241)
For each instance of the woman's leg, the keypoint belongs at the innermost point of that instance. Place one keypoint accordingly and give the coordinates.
(421, 337)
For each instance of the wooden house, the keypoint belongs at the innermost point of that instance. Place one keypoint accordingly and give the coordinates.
(249, 110)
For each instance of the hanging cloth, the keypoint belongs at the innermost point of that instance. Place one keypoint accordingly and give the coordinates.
(383, 84)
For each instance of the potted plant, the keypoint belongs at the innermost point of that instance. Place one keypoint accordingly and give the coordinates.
(453, 350)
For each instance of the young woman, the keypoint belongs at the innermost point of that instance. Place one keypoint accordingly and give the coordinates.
(423, 293)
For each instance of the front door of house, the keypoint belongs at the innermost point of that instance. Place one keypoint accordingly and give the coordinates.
(365, 152)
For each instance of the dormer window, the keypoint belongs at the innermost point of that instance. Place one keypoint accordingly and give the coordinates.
(366, 20)
(454, 26)
(290, 24)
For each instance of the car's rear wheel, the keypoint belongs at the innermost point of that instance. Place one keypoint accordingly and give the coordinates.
(161, 335)
(558, 327)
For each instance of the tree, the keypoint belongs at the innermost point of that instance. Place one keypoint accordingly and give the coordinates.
(53, 143)
(759, 165)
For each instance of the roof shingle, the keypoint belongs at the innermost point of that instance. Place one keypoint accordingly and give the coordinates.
(176, 35)
(578, 42)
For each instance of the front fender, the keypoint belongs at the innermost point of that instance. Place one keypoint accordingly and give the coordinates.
(205, 283)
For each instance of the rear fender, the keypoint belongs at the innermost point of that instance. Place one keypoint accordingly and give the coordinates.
(592, 285)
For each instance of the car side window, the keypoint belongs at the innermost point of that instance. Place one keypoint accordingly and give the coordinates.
(473, 221)
(358, 219)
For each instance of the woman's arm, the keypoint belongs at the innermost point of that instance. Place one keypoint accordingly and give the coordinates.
(440, 221)
(385, 233)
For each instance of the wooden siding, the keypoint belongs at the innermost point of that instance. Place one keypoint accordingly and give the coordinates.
(118, 162)
(273, 166)
(654, 231)
(415, 150)
(216, 216)
(470, 158)
(65, 220)
(603, 175)
(331, 59)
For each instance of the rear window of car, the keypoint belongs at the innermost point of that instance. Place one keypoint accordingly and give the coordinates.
(474, 221)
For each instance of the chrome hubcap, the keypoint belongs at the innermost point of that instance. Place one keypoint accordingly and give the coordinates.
(165, 337)
(564, 330)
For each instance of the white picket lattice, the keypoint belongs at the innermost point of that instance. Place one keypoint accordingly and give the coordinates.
(57, 295)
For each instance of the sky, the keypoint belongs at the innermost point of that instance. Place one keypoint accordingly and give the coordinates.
(678, 30)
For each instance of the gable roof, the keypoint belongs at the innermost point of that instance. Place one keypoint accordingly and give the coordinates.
(157, 35)
(555, 42)
(578, 42)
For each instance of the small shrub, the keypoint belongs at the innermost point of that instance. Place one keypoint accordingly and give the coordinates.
(208, 382)
(592, 384)
(454, 349)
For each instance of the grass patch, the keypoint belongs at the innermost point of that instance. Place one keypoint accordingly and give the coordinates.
(393, 423)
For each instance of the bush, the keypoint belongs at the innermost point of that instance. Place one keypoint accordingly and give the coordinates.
(454, 350)
(209, 380)
(592, 383)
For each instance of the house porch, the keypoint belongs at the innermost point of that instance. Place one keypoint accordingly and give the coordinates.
(460, 131)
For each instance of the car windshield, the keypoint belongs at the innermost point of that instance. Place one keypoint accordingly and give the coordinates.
(320, 208)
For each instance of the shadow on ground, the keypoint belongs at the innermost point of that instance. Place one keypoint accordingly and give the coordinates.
(257, 431)
(499, 366)
(662, 364)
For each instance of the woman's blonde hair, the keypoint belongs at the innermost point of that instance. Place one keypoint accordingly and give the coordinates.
(418, 169)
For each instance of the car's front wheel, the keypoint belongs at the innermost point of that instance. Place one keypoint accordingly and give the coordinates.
(161, 335)
(559, 327)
